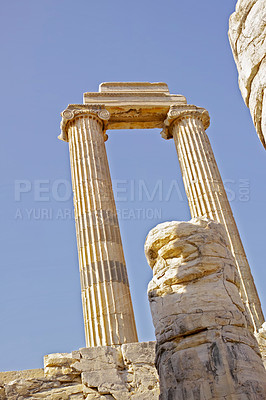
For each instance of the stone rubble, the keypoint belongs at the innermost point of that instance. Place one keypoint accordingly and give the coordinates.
(205, 343)
(59, 381)
(247, 32)
(125, 372)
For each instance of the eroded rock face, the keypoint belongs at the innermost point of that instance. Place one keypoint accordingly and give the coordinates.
(59, 381)
(124, 372)
(205, 345)
(261, 338)
(247, 32)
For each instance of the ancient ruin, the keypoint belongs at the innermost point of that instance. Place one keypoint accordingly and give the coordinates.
(204, 302)
(120, 105)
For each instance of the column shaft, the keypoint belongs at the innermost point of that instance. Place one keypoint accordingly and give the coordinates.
(207, 197)
(107, 307)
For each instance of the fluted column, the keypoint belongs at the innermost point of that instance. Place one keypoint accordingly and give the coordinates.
(205, 190)
(107, 307)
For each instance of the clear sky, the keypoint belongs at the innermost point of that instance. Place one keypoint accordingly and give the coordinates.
(51, 52)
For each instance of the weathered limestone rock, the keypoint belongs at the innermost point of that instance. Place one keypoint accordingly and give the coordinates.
(124, 372)
(32, 389)
(58, 381)
(247, 33)
(121, 372)
(205, 345)
(59, 365)
(9, 376)
(261, 338)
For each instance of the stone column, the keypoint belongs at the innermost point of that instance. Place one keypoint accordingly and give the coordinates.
(107, 307)
(205, 190)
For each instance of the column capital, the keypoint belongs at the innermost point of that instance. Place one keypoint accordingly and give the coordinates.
(76, 110)
(178, 113)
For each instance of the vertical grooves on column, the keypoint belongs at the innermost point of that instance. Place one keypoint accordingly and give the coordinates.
(207, 175)
(84, 250)
(93, 156)
(107, 306)
(186, 174)
(203, 170)
(74, 160)
(105, 325)
(207, 197)
(250, 294)
(195, 181)
(123, 294)
(206, 166)
(211, 176)
(92, 296)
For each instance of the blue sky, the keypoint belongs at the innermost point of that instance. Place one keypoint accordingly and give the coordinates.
(52, 51)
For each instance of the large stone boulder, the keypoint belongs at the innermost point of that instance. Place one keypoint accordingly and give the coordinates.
(205, 343)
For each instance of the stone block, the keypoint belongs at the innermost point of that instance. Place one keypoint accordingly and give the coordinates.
(139, 353)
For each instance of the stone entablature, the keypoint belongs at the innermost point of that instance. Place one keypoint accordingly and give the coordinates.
(130, 105)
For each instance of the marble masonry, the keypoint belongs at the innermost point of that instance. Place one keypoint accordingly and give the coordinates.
(125, 372)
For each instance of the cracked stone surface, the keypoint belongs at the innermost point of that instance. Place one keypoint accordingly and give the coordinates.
(261, 338)
(205, 343)
(125, 372)
(247, 32)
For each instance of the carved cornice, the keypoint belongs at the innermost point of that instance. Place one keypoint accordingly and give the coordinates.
(77, 110)
(179, 113)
